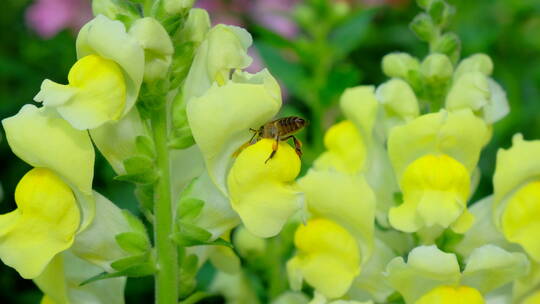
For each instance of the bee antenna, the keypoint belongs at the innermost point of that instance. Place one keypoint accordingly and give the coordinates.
(253, 130)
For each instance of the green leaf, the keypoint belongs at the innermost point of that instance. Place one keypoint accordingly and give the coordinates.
(133, 242)
(351, 32)
(189, 209)
(145, 146)
(125, 263)
(136, 271)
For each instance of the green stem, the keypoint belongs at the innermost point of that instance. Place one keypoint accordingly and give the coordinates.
(166, 251)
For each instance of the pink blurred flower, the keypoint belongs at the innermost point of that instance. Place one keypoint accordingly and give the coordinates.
(48, 17)
(269, 13)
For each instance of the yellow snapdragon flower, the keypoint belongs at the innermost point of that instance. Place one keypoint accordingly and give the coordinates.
(104, 83)
(433, 276)
(516, 211)
(262, 193)
(434, 157)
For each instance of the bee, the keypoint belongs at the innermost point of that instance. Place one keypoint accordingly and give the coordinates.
(280, 129)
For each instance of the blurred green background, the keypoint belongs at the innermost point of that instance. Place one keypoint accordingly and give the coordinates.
(507, 30)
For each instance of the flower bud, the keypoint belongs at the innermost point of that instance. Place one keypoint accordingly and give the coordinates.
(114, 9)
(475, 63)
(440, 12)
(423, 26)
(157, 45)
(248, 244)
(196, 26)
(173, 7)
(437, 68)
(399, 65)
(423, 3)
(448, 44)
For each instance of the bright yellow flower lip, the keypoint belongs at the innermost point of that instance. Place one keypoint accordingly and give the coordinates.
(262, 192)
(328, 257)
(96, 93)
(43, 225)
(452, 295)
(435, 190)
(521, 219)
(346, 149)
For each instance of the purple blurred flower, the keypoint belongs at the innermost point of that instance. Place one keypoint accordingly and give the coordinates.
(48, 17)
(269, 13)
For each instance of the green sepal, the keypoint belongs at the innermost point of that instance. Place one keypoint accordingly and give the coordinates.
(187, 275)
(133, 242)
(189, 209)
(448, 44)
(143, 269)
(182, 139)
(135, 223)
(140, 170)
(145, 196)
(130, 261)
(189, 234)
(145, 146)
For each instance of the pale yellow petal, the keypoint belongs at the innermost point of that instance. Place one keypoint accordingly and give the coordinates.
(43, 139)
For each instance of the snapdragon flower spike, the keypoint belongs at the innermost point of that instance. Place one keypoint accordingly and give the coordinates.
(516, 211)
(104, 83)
(61, 279)
(434, 157)
(263, 193)
(44, 223)
(430, 274)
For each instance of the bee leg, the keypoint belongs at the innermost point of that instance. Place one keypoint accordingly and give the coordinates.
(275, 146)
(297, 146)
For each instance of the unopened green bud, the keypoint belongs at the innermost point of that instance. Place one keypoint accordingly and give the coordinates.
(196, 26)
(173, 7)
(157, 45)
(248, 244)
(399, 65)
(440, 12)
(437, 68)
(475, 63)
(423, 3)
(448, 44)
(423, 26)
(115, 9)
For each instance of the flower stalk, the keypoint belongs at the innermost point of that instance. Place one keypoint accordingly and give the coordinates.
(166, 280)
